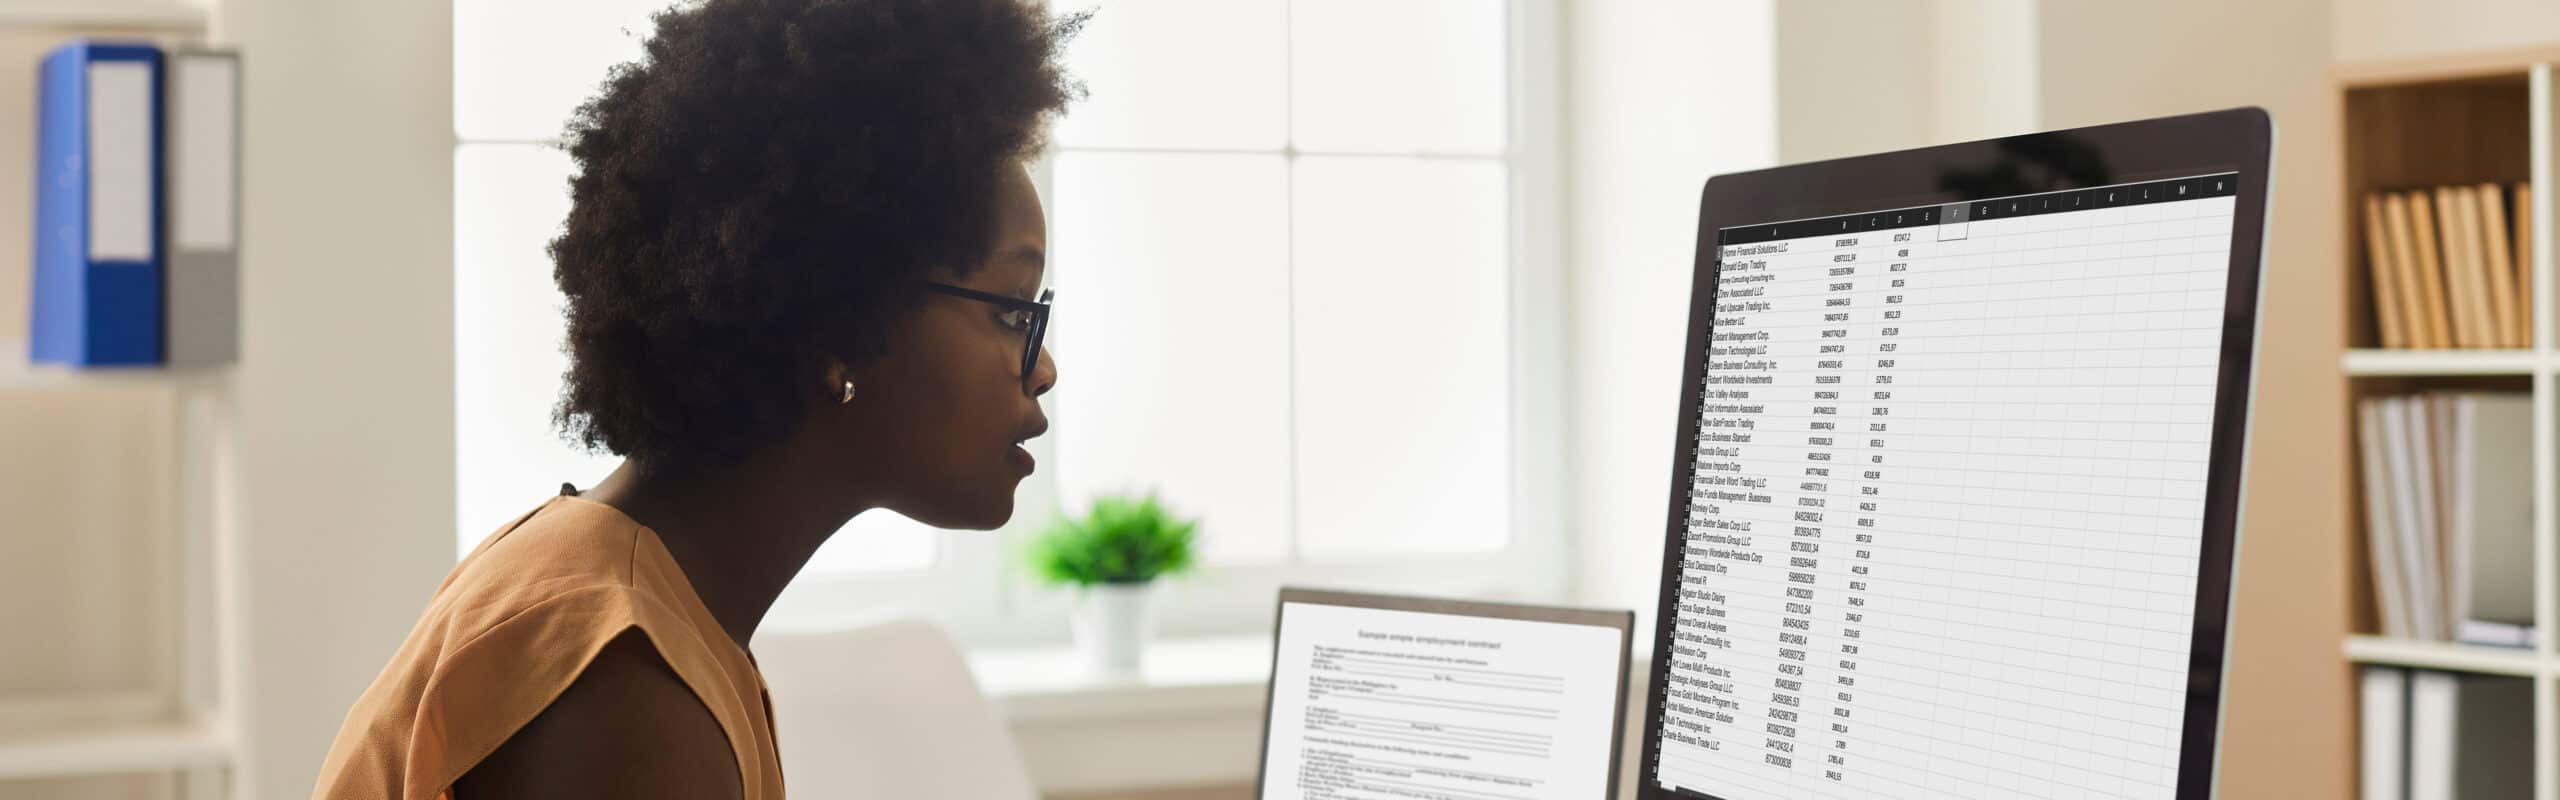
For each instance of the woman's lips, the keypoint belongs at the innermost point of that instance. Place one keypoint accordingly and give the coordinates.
(1022, 459)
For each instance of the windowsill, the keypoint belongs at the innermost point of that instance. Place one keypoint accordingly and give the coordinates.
(1192, 717)
(1181, 677)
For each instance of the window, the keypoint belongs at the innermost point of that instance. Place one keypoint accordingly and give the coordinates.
(1305, 253)
(1288, 237)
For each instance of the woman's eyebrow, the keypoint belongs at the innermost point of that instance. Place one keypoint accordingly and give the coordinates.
(1027, 254)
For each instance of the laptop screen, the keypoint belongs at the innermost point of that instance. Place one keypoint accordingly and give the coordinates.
(1371, 702)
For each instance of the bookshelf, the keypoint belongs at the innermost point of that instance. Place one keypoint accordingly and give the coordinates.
(2469, 120)
(181, 731)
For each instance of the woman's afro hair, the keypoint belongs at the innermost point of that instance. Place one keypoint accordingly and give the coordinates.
(762, 191)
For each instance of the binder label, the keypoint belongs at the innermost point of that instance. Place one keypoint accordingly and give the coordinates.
(120, 220)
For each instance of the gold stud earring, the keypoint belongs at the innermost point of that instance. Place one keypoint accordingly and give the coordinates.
(848, 392)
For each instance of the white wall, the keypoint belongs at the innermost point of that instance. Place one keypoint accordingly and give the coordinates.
(1658, 97)
(1853, 77)
(1858, 77)
(346, 384)
(2287, 731)
(1984, 69)
(2387, 30)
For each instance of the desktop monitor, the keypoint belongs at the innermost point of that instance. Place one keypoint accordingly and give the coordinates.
(1957, 478)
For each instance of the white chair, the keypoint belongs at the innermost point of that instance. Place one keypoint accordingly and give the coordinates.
(887, 710)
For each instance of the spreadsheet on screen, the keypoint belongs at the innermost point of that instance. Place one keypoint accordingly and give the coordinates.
(1947, 504)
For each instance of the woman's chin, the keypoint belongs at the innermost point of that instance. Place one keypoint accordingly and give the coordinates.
(972, 514)
(991, 521)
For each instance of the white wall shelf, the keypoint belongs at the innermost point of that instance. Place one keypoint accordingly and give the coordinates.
(160, 747)
(2375, 362)
(20, 376)
(2446, 656)
(176, 15)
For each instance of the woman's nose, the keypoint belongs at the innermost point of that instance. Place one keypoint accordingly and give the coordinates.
(1044, 373)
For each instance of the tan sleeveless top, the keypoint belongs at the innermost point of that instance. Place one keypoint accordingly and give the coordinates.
(512, 626)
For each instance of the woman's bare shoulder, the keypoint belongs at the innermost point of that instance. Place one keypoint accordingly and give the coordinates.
(627, 727)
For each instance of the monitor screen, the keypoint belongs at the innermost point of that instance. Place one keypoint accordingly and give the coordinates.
(1380, 697)
(1947, 499)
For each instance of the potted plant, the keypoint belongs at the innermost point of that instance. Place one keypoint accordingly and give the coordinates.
(1112, 556)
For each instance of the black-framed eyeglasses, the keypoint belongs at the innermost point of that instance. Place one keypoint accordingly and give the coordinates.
(1029, 316)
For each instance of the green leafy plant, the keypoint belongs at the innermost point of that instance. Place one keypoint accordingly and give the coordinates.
(1123, 540)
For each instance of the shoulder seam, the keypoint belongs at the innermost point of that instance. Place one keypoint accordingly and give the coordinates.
(519, 613)
(631, 560)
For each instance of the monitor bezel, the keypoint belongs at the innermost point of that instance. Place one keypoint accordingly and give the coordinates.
(2237, 140)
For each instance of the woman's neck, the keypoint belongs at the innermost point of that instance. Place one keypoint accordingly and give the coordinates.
(739, 534)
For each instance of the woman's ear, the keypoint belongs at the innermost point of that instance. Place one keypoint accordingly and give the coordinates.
(840, 383)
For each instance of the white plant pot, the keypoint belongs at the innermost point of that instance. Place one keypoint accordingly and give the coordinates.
(1112, 623)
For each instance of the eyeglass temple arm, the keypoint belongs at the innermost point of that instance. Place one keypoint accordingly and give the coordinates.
(990, 297)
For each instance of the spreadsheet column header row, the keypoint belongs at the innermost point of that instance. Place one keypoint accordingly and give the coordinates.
(2112, 196)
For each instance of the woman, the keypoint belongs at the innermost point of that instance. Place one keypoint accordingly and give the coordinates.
(803, 270)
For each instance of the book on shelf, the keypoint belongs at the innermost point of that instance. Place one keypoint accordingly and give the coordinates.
(2450, 266)
(137, 207)
(2382, 739)
(203, 155)
(2428, 735)
(2468, 286)
(2448, 513)
(96, 294)
(2504, 278)
(2496, 634)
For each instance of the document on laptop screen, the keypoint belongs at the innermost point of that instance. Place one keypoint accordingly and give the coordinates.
(1378, 704)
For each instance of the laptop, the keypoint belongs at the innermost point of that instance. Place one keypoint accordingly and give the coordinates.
(1380, 696)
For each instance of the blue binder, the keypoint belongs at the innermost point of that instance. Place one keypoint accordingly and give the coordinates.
(99, 249)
